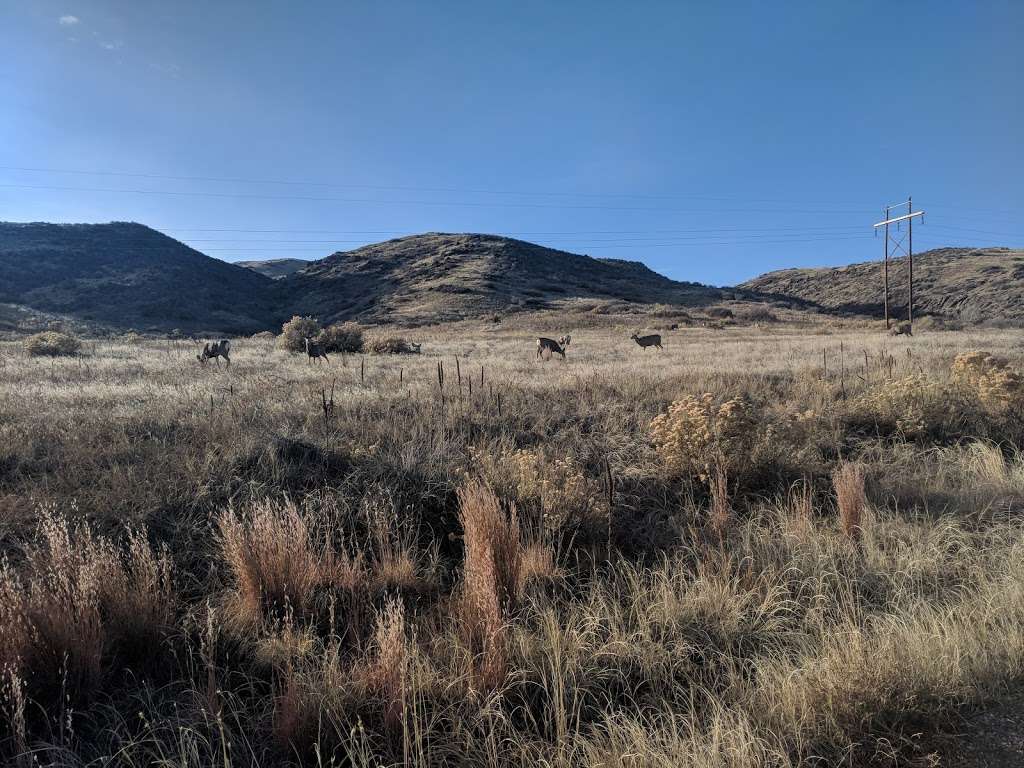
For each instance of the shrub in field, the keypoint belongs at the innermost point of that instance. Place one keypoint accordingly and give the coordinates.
(391, 345)
(989, 378)
(759, 314)
(295, 332)
(51, 344)
(341, 337)
(558, 485)
(696, 434)
(912, 406)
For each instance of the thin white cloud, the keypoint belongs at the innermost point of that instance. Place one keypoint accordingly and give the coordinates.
(171, 69)
(111, 46)
(67, 21)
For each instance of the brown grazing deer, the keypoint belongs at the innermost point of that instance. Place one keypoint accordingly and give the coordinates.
(315, 351)
(552, 347)
(217, 350)
(901, 329)
(653, 340)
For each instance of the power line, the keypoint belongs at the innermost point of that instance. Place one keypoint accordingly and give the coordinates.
(398, 188)
(461, 190)
(433, 203)
(276, 241)
(403, 233)
(978, 231)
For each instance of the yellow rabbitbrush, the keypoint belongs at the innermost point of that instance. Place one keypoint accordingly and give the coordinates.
(696, 434)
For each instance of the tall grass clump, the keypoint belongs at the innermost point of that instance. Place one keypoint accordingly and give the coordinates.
(490, 578)
(80, 600)
(387, 673)
(851, 499)
(274, 559)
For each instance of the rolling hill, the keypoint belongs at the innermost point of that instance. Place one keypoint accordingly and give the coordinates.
(974, 285)
(437, 277)
(274, 268)
(125, 275)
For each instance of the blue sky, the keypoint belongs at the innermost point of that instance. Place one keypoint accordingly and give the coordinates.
(712, 141)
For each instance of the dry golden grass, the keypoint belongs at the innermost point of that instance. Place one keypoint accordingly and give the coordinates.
(206, 566)
(851, 500)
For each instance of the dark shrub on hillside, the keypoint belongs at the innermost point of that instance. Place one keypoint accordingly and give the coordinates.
(52, 344)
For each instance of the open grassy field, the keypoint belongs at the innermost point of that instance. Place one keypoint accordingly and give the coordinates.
(772, 546)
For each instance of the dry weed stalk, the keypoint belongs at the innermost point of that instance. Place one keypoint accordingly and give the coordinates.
(721, 513)
(851, 499)
(388, 670)
(490, 580)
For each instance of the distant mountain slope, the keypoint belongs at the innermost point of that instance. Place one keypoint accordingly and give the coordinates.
(128, 275)
(970, 284)
(274, 268)
(436, 277)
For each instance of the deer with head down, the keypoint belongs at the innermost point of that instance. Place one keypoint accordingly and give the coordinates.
(216, 350)
(651, 340)
(552, 347)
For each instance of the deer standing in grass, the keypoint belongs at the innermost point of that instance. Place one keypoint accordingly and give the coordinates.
(653, 340)
(315, 351)
(217, 350)
(552, 347)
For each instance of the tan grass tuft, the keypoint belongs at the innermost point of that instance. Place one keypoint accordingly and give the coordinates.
(273, 558)
(720, 517)
(490, 581)
(388, 669)
(851, 499)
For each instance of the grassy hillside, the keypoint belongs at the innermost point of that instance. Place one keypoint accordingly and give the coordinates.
(975, 285)
(127, 275)
(274, 268)
(439, 277)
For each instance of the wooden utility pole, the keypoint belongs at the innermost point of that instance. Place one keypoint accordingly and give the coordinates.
(893, 246)
(910, 262)
(885, 273)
